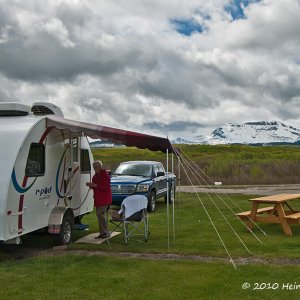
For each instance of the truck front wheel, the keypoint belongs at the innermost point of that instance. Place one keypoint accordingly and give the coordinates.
(151, 202)
(171, 195)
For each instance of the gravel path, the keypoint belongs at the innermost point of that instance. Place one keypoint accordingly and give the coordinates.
(153, 256)
(246, 190)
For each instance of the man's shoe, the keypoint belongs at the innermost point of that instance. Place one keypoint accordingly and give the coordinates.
(98, 236)
(104, 236)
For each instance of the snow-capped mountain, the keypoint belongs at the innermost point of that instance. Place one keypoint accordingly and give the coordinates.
(183, 141)
(261, 132)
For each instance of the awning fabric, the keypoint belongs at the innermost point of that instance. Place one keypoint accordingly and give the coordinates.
(119, 136)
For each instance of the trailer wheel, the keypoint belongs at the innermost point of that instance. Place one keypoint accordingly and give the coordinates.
(151, 202)
(66, 230)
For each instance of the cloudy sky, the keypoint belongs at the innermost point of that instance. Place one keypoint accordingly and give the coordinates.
(171, 67)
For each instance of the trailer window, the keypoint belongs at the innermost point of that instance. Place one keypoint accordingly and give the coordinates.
(85, 164)
(35, 165)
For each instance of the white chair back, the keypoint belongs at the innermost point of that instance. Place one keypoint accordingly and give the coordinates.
(133, 204)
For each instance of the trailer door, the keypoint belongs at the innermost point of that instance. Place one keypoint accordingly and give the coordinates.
(74, 177)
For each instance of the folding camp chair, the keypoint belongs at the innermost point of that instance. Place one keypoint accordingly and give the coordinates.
(131, 217)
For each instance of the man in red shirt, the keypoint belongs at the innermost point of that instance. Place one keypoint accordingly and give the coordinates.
(102, 196)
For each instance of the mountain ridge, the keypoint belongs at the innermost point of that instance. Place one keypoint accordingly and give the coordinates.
(249, 133)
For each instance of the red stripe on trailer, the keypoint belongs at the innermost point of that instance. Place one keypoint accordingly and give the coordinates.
(63, 176)
(21, 202)
(47, 131)
(75, 170)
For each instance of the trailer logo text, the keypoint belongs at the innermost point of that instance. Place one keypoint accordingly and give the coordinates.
(44, 193)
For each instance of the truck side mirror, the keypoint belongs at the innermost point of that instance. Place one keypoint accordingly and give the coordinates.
(160, 174)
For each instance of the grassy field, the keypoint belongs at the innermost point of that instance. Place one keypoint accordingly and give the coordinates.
(85, 275)
(231, 164)
(194, 234)
(91, 277)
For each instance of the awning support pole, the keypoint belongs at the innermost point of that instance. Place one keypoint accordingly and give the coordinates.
(168, 222)
(173, 199)
(179, 189)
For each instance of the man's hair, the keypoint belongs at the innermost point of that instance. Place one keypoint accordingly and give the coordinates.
(97, 162)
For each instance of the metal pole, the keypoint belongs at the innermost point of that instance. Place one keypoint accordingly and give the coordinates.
(179, 189)
(168, 223)
(173, 199)
(71, 164)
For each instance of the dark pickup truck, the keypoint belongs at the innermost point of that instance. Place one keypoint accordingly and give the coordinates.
(147, 178)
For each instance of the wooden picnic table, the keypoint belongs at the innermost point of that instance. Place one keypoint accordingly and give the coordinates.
(272, 214)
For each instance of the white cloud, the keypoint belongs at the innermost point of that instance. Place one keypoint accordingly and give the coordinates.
(56, 28)
(121, 63)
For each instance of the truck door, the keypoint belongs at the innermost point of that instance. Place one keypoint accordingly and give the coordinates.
(161, 182)
(155, 178)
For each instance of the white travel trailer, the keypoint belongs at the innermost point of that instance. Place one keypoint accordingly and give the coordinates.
(45, 161)
(43, 173)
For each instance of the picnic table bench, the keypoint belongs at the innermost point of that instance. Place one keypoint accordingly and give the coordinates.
(272, 214)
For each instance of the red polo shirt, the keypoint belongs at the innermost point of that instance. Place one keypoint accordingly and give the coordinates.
(102, 193)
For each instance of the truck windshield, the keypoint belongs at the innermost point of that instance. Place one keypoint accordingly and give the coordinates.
(133, 170)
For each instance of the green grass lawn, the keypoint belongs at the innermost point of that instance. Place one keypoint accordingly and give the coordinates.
(92, 277)
(194, 233)
(70, 276)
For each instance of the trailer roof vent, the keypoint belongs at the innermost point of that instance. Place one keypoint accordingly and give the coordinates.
(45, 108)
(13, 109)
